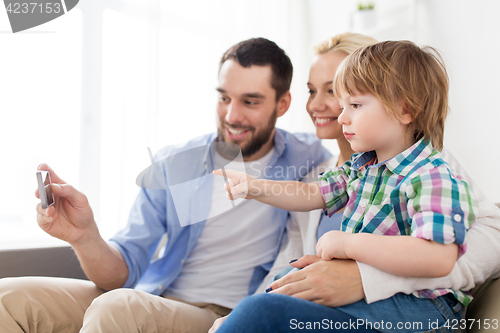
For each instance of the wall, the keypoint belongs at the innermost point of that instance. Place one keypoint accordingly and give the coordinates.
(466, 32)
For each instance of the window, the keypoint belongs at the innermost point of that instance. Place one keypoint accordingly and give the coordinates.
(40, 118)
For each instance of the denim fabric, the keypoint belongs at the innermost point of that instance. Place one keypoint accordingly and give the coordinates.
(272, 313)
(282, 272)
(280, 313)
(326, 224)
(417, 314)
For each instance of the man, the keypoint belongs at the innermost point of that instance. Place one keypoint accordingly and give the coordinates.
(215, 255)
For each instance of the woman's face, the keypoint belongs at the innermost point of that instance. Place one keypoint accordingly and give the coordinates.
(322, 106)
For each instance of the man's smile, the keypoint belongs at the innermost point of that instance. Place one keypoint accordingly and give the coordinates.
(236, 134)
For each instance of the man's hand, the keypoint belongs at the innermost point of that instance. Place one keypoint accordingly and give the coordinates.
(331, 283)
(333, 245)
(70, 218)
(217, 324)
(239, 184)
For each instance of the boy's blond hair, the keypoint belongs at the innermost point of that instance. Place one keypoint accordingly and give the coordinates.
(401, 75)
(347, 43)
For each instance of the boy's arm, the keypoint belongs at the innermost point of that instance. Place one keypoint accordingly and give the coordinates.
(480, 263)
(287, 195)
(399, 255)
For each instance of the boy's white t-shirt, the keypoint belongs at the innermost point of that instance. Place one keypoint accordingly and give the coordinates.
(233, 242)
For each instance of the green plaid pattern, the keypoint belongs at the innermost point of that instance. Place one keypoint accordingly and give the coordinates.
(414, 193)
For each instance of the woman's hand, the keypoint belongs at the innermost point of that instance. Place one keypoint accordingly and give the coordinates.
(333, 244)
(331, 283)
(239, 184)
(70, 218)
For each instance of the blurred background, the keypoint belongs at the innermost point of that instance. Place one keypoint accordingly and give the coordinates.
(89, 92)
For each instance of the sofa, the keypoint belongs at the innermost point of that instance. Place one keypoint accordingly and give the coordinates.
(62, 262)
(52, 261)
(484, 309)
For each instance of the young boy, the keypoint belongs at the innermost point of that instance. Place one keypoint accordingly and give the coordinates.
(394, 99)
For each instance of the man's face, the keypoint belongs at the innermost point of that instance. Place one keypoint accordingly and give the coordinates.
(247, 108)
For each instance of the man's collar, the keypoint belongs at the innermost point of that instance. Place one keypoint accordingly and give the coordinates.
(279, 145)
(208, 160)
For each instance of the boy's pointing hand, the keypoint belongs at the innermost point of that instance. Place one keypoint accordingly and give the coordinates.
(238, 184)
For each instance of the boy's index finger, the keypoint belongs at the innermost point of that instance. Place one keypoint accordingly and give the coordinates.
(225, 173)
(221, 172)
(217, 172)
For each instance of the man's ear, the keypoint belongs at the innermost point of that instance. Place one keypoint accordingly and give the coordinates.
(284, 103)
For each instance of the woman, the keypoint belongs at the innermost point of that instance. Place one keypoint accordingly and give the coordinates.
(324, 109)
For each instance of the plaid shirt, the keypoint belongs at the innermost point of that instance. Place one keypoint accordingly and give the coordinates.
(414, 193)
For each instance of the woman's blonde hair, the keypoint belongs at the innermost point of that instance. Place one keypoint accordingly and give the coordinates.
(347, 43)
(401, 75)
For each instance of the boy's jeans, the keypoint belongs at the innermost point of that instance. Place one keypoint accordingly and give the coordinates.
(401, 313)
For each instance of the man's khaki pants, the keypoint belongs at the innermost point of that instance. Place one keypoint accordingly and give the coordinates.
(43, 305)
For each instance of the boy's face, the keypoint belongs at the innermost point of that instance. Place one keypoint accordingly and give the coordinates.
(368, 126)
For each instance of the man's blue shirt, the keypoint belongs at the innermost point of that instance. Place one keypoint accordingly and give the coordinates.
(161, 208)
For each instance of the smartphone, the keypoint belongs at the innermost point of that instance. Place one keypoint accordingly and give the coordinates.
(44, 189)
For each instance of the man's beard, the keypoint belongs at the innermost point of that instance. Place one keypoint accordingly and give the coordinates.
(259, 138)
